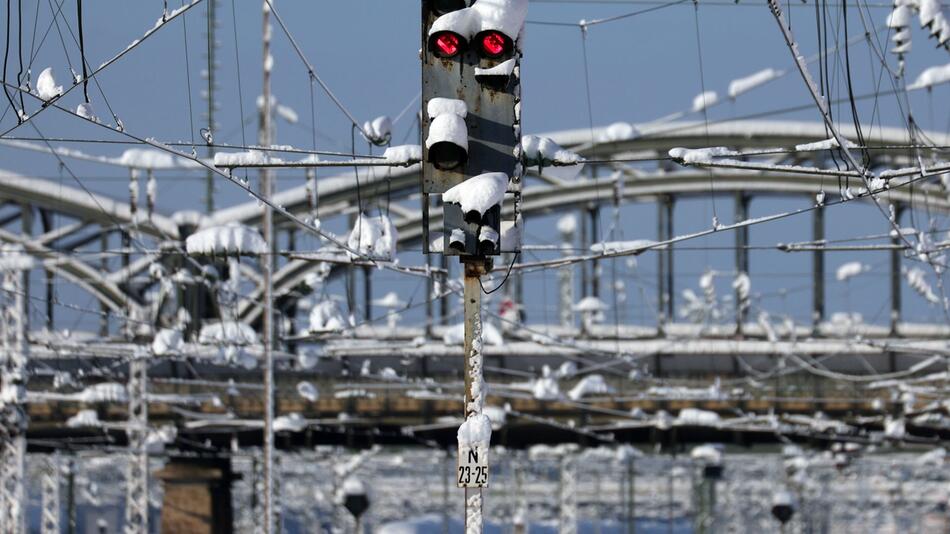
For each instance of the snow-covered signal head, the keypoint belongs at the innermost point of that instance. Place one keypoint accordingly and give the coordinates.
(447, 141)
(471, 120)
(494, 44)
(447, 44)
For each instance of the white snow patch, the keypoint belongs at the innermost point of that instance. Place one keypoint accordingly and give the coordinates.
(308, 391)
(83, 418)
(506, 16)
(917, 280)
(747, 83)
(151, 159)
(287, 113)
(230, 239)
(611, 247)
(894, 428)
(479, 193)
(13, 257)
(104, 392)
(291, 422)
(475, 432)
(504, 68)
(826, 144)
(695, 416)
(567, 224)
(589, 305)
(442, 106)
(542, 151)
(618, 131)
(379, 130)
(391, 300)
(931, 76)
(248, 158)
(851, 269)
(447, 122)
(46, 87)
(157, 438)
(546, 388)
(707, 453)
(403, 154)
(455, 335)
(353, 486)
(700, 155)
(704, 100)
(326, 315)
(167, 341)
(227, 333)
(589, 385)
(85, 110)
(373, 236)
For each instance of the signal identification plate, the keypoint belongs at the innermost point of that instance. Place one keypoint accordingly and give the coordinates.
(472, 471)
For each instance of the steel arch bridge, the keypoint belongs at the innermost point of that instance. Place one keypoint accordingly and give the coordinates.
(640, 171)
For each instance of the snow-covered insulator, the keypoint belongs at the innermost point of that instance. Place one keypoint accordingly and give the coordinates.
(851, 269)
(542, 152)
(742, 285)
(86, 111)
(917, 280)
(447, 141)
(709, 289)
(378, 131)
(151, 193)
(308, 391)
(133, 191)
(373, 236)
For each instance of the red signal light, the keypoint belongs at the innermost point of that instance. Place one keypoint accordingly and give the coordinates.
(447, 44)
(494, 44)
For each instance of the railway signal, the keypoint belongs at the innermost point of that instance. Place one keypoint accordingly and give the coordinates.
(471, 124)
(471, 121)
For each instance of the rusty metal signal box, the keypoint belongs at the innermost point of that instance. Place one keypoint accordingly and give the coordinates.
(483, 71)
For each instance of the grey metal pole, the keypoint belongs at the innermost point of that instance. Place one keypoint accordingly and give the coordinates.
(594, 214)
(368, 293)
(474, 389)
(631, 497)
(818, 268)
(566, 278)
(212, 21)
(742, 253)
(896, 274)
(71, 497)
(266, 187)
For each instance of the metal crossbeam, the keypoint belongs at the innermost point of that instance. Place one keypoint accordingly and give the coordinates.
(49, 520)
(13, 396)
